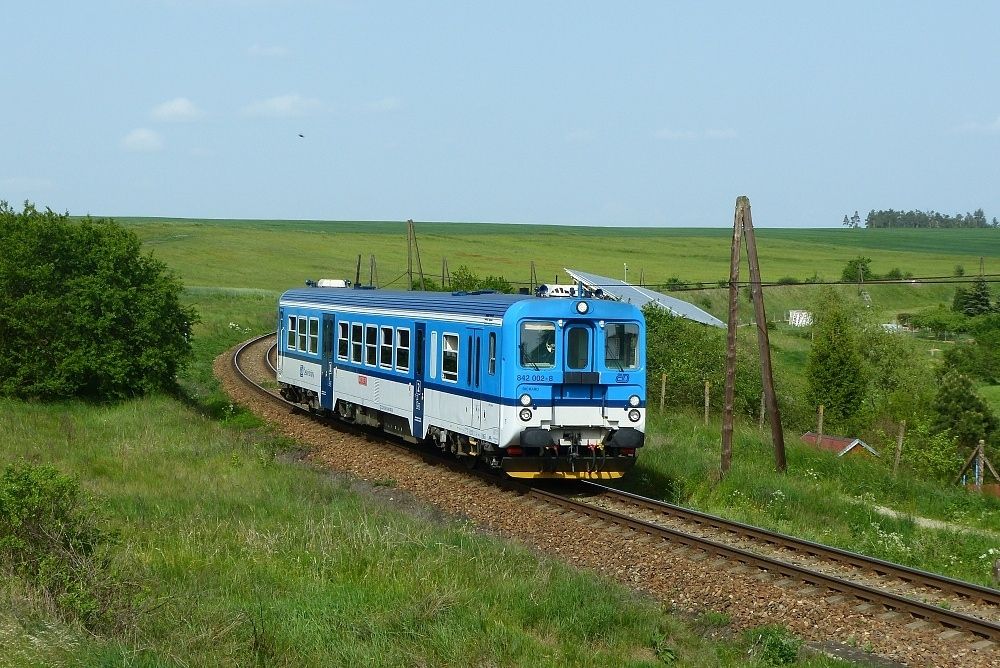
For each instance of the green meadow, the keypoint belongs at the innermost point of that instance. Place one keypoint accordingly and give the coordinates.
(276, 255)
(238, 554)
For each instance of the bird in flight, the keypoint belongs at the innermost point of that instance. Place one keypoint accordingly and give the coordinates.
(301, 135)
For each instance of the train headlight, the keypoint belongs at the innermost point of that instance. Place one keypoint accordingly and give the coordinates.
(634, 415)
(582, 307)
(634, 400)
(525, 414)
(525, 400)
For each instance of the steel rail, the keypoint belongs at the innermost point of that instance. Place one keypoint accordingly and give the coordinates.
(862, 562)
(890, 601)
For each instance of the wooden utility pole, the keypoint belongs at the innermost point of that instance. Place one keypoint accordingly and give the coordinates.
(409, 255)
(663, 390)
(412, 235)
(444, 273)
(533, 281)
(743, 226)
(763, 343)
(734, 296)
(357, 271)
(372, 272)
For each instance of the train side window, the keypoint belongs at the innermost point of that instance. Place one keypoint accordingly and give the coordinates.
(493, 353)
(357, 332)
(434, 354)
(314, 335)
(449, 357)
(292, 336)
(385, 350)
(538, 345)
(303, 334)
(343, 340)
(621, 345)
(371, 345)
(402, 350)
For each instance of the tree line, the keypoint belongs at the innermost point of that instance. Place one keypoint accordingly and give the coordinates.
(891, 218)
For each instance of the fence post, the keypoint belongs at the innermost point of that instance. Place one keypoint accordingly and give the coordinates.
(819, 428)
(899, 447)
(708, 386)
(663, 390)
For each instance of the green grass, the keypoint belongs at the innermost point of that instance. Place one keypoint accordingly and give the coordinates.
(246, 557)
(276, 255)
(821, 497)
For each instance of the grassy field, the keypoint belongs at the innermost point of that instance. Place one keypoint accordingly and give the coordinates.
(243, 556)
(276, 255)
(247, 557)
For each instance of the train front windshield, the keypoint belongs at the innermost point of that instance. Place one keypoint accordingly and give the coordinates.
(539, 348)
(538, 345)
(621, 350)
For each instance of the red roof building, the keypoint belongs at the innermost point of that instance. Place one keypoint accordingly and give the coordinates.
(840, 445)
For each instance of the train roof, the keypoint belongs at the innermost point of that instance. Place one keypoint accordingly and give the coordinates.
(474, 304)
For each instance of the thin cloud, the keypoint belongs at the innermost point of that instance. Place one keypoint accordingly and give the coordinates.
(976, 128)
(581, 136)
(22, 184)
(142, 140)
(283, 106)
(386, 104)
(267, 51)
(179, 109)
(666, 134)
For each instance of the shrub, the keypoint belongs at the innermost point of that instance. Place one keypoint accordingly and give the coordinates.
(49, 537)
(691, 353)
(773, 645)
(932, 454)
(858, 269)
(83, 312)
(788, 280)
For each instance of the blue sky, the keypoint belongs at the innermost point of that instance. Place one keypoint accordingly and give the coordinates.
(613, 114)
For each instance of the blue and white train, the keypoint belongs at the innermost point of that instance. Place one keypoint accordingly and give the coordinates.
(540, 388)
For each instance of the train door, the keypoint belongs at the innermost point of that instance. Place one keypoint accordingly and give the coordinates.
(326, 362)
(281, 339)
(476, 375)
(580, 381)
(419, 359)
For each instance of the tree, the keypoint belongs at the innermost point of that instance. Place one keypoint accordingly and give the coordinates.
(855, 220)
(857, 269)
(83, 313)
(836, 367)
(979, 299)
(960, 410)
(464, 280)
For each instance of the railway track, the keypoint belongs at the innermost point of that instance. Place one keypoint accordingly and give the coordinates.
(871, 586)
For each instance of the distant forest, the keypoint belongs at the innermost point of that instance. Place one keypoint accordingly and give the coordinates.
(929, 219)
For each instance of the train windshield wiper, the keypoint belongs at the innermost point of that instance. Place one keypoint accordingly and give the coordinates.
(524, 358)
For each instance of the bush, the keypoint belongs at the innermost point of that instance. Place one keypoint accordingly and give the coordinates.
(691, 353)
(788, 280)
(83, 312)
(773, 645)
(50, 538)
(464, 280)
